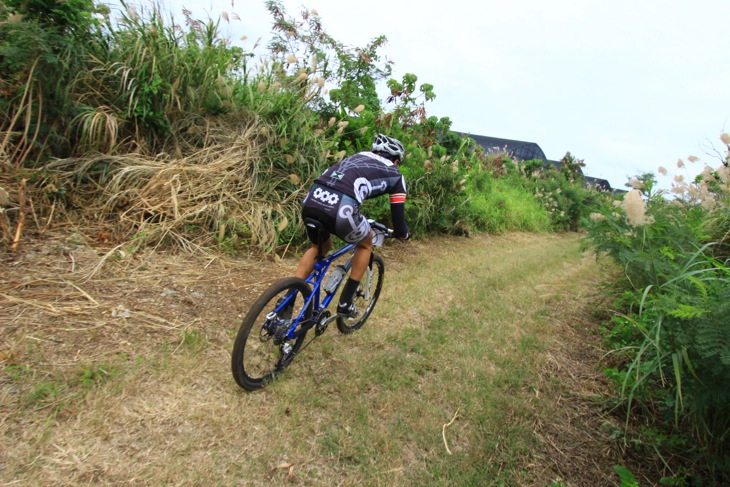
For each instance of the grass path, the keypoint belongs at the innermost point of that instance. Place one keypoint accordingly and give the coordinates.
(478, 367)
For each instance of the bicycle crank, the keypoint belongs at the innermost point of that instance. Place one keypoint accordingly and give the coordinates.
(324, 319)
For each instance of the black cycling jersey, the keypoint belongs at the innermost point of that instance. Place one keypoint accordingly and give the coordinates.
(337, 194)
(365, 175)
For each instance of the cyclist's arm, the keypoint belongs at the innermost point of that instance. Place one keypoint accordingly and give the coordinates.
(398, 213)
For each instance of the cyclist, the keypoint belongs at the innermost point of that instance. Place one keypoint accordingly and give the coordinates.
(335, 199)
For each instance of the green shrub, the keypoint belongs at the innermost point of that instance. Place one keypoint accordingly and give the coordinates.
(673, 333)
(43, 46)
(563, 193)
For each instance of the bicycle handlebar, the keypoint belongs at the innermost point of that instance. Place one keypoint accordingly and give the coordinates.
(379, 226)
(381, 232)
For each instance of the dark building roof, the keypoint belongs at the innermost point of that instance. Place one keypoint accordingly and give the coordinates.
(598, 183)
(555, 164)
(526, 151)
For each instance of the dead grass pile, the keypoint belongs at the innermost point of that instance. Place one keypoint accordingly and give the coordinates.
(55, 317)
(214, 187)
(7, 207)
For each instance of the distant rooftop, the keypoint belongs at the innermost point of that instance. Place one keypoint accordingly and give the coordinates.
(527, 151)
(524, 151)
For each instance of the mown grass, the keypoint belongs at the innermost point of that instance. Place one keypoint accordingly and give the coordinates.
(458, 338)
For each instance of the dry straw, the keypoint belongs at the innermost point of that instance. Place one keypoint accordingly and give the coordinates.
(214, 183)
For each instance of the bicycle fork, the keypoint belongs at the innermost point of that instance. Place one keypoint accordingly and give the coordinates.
(368, 281)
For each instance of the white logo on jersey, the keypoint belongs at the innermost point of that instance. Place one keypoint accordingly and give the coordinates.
(326, 197)
(363, 188)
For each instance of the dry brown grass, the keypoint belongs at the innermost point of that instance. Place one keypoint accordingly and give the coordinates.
(210, 188)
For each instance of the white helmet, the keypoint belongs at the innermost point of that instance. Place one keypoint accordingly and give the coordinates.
(389, 145)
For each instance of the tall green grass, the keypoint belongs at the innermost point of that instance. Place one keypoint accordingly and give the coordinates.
(671, 336)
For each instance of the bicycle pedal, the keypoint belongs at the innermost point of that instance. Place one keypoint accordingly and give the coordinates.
(348, 312)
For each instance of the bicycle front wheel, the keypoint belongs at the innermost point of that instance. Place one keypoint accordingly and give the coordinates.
(366, 296)
(263, 348)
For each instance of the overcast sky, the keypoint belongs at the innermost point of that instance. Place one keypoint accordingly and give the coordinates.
(625, 85)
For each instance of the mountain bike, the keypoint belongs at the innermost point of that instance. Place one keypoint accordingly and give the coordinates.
(273, 331)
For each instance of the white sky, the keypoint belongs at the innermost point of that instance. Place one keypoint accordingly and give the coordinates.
(625, 85)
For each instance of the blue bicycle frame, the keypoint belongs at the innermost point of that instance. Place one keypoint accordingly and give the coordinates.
(314, 300)
(316, 278)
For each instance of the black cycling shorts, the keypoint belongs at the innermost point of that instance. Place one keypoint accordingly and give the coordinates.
(339, 213)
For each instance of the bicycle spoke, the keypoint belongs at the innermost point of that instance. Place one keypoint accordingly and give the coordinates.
(365, 297)
(264, 345)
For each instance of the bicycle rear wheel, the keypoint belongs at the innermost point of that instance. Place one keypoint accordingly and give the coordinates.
(262, 350)
(366, 296)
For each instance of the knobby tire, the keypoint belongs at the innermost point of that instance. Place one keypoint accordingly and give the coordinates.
(256, 359)
(364, 306)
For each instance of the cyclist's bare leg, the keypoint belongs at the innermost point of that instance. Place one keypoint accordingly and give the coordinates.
(306, 263)
(361, 259)
(360, 262)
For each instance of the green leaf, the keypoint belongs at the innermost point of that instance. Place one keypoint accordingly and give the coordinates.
(685, 311)
(627, 478)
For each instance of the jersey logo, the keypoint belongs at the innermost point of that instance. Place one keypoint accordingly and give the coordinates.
(363, 188)
(326, 197)
(337, 175)
(359, 229)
